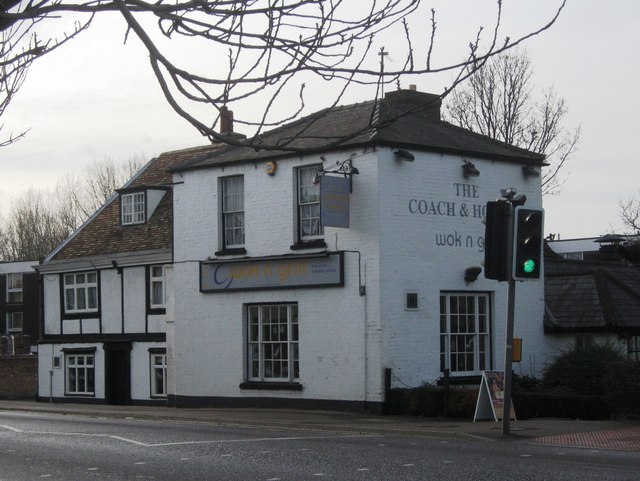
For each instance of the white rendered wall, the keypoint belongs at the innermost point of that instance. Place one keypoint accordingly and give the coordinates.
(209, 328)
(431, 231)
(136, 322)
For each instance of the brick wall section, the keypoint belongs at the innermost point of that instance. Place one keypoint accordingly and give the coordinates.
(18, 377)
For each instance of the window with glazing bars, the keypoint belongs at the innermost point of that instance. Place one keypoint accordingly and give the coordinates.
(233, 211)
(308, 204)
(133, 208)
(464, 333)
(273, 342)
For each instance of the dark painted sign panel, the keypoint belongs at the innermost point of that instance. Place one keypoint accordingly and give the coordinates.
(277, 273)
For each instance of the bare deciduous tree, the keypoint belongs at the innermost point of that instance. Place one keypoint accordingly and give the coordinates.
(630, 215)
(261, 52)
(497, 101)
(79, 196)
(33, 228)
(39, 221)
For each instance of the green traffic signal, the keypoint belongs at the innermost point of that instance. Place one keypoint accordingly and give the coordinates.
(529, 266)
(527, 243)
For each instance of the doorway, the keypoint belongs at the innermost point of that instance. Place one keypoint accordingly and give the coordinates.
(118, 373)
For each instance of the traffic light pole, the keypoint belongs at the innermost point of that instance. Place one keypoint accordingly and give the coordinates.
(513, 251)
(508, 357)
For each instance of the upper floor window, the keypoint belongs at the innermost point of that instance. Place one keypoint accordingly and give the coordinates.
(309, 226)
(14, 323)
(81, 292)
(157, 287)
(14, 288)
(133, 211)
(233, 211)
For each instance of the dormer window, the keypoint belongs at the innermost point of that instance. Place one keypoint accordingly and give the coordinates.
(133, 211)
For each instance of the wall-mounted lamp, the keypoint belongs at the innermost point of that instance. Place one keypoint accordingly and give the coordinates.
(530, 171)
(469, 170)
(471, 273)
(402, 154)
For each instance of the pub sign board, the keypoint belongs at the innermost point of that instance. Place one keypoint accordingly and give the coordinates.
(272, 273)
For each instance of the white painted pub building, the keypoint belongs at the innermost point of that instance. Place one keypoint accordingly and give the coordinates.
(264, 304)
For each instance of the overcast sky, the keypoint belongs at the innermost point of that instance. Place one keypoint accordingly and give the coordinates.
(97, 98)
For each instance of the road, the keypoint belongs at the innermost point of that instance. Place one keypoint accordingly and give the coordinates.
(71, 448)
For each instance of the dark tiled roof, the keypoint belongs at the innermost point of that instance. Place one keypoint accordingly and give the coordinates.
(591, 297)
(398, 123)
(103, 234)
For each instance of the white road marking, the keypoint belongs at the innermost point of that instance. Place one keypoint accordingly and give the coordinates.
(525, 455)
(141, 462)
(408, 465)
(183, 443)
(92, 469)
(362, 469)
(15, 430)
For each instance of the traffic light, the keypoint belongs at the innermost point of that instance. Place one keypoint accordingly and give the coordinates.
(527, 243)
(497, 239)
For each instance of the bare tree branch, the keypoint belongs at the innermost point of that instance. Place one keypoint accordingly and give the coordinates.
(497, 102)
(630, 215)
(273, 48)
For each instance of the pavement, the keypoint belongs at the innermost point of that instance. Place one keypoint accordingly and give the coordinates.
(615, 435)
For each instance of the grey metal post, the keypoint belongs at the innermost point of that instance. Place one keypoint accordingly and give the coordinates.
(508, 357)
(508, 351)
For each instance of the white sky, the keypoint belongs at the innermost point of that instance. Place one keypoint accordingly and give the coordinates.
(97, 98)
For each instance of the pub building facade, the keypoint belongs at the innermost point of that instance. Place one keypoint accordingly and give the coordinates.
(300, 279)
(293, 279)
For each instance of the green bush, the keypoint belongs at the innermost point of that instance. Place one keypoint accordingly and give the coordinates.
(429, 401)
(623, 389)
(583, 370)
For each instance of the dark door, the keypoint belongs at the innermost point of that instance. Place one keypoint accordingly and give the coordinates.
(118, 373)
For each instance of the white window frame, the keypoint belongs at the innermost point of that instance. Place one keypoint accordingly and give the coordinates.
(308, 203)
(15, 288)
(158, 366)
(232, 209)
(272, 345)
(14, 318)
(465, 330)
(80, 374)
(80, 289)
(154, 280)
(133, 208)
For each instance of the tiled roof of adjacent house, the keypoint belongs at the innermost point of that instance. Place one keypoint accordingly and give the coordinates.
(399, 121)
(591, 297)
(102, 233)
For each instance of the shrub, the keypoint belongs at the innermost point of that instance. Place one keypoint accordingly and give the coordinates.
(429, 401)
(623, 388)
(583, 370)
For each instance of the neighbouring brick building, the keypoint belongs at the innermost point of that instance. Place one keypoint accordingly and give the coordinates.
(20, 314)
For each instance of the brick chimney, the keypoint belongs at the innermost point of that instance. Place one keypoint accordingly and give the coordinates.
(428, 104)
(226, 120)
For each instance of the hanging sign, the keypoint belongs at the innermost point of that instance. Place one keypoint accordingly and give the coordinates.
(334, 201)
(490, 402)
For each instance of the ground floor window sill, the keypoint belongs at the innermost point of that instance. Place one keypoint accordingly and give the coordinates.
(271, 386)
